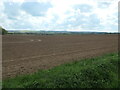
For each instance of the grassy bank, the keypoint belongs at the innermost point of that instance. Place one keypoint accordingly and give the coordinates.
(99, 72)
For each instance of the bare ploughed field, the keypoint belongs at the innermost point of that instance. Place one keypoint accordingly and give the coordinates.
(23, 54)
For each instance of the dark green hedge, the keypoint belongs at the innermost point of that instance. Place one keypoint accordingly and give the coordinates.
(3, 31)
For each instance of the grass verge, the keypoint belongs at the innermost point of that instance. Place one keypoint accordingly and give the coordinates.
(98, 72)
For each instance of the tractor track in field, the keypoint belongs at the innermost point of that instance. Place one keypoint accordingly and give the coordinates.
(70, 52)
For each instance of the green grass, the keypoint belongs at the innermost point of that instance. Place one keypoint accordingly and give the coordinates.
(98, 72)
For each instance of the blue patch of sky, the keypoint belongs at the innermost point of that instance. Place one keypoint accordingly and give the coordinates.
(104, 4)
(36, 8)
(11, 9)
(83, 7)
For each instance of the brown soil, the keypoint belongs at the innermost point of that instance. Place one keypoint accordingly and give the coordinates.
(23, 54)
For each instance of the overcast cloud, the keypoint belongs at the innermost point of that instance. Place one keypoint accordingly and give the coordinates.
(68, 15)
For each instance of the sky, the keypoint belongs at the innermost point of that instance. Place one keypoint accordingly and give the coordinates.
(60, 15)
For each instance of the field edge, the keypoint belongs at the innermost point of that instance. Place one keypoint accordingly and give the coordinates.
(98, 72)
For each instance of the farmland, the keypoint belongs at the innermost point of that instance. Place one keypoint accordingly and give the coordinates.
(24, 54)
